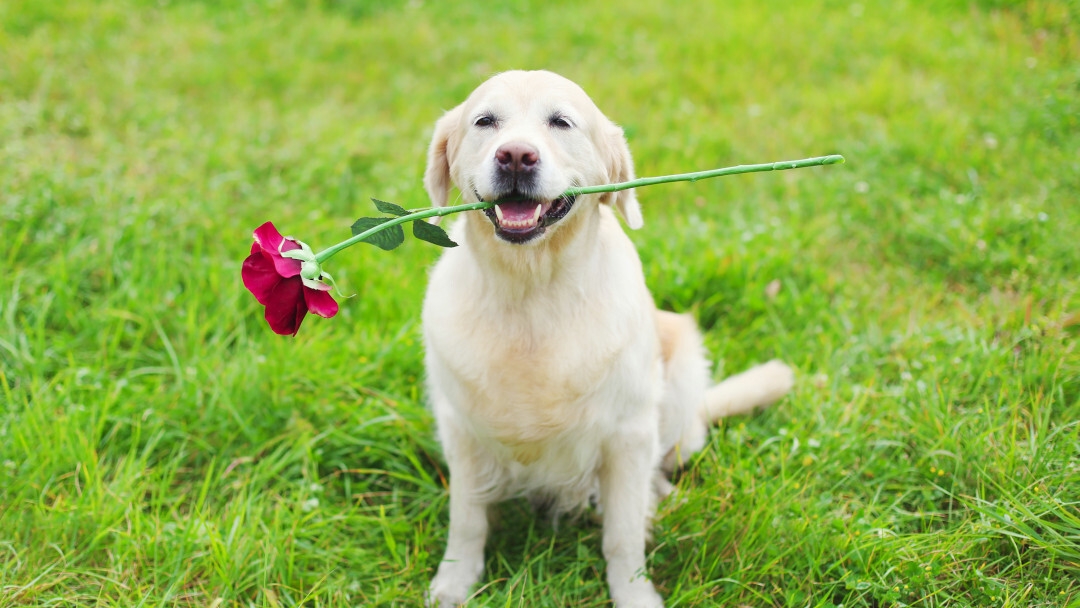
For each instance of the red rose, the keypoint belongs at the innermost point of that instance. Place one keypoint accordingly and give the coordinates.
(277, 284)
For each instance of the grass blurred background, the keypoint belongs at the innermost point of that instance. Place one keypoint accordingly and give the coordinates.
(160, 446)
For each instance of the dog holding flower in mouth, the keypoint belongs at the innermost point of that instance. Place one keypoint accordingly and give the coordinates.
(551, 373)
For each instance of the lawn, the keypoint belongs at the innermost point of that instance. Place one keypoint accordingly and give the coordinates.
(159, 446)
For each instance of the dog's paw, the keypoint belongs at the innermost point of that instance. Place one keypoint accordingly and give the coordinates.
(638, 593)
(451, 584)
(440, 596)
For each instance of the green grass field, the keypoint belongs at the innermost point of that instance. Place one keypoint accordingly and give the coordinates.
(159, 446)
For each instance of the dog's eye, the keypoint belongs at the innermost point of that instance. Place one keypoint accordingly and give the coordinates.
(559, 122)
(487, 120)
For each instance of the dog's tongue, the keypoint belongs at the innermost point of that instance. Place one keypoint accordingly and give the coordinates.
(519, 215)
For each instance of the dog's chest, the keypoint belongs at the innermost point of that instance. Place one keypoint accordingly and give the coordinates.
(525, 381)
(527, 362)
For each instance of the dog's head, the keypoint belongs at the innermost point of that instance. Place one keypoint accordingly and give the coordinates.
(522, 139)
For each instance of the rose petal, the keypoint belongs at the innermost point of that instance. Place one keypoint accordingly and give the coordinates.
(268, 237)
(260, 276)
(320, 302)
(286, 307)
(286, 267)
(289, 244)
(272, 243)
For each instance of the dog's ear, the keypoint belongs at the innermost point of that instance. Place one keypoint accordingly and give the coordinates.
(620, 168)
(440, 153)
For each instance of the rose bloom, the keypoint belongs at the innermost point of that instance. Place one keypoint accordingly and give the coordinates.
(276, 283)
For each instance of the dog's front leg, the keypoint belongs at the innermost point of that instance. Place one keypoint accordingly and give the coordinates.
(463, 562)
(625, 494)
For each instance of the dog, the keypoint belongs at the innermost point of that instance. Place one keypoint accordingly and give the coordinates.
(550, 372)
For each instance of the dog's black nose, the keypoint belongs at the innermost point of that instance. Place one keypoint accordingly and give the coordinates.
(517, 157)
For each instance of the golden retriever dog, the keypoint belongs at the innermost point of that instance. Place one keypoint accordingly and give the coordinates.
(551, 373)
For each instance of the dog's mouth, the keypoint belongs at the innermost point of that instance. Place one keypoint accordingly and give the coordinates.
(519, 218)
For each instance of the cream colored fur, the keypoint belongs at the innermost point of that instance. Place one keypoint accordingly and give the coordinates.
(551, 373)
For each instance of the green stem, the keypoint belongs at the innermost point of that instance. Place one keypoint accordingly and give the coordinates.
(693, 177)
(834, 159)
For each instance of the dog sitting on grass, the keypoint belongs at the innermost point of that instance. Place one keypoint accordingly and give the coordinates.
(551, 373)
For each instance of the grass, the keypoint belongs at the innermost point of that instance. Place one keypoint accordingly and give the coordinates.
(159, 446)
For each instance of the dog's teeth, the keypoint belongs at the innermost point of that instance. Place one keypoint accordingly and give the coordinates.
(536, 216)
(498, 214)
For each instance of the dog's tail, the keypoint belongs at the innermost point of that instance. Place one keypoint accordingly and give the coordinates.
(756, 387)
